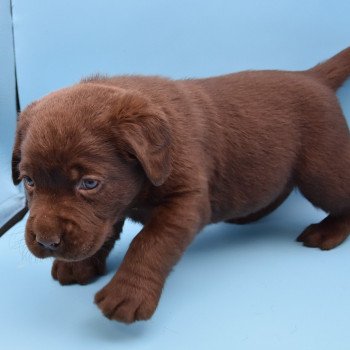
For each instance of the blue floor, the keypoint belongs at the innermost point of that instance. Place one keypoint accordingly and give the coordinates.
(237, 287)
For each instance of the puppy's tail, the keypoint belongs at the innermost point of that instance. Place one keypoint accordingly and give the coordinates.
(334, 71)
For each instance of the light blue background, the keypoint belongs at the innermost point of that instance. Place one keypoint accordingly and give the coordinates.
(248, 287)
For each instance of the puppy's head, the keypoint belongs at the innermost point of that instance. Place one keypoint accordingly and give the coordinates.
(84, 153)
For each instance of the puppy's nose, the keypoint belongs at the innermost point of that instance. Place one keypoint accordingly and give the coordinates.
(51, 243)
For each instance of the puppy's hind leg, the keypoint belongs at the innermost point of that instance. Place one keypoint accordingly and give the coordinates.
(327, 234)
(85, 271)
(324, 179)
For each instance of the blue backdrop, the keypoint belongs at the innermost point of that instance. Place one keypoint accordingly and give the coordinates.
(248, 287)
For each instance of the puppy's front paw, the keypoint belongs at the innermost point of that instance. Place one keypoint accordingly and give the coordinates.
(81, 272)
(126, 302)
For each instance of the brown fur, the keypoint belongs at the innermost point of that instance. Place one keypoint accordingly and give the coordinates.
(175, 156)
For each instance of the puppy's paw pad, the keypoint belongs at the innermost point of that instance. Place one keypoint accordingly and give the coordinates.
(126, 304)
(80, 272)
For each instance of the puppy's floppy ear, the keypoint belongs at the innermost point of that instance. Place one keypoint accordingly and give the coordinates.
(22, 125)
(145, 133)
(16, 156)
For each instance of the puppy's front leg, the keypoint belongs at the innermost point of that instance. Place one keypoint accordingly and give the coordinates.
(134, 291)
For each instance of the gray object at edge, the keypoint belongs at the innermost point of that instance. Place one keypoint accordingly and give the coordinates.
(12, 199)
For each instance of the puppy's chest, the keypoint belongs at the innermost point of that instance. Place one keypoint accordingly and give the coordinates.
(140, 214)
(143, 206)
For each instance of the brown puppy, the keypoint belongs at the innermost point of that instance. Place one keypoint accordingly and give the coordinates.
(175, 156)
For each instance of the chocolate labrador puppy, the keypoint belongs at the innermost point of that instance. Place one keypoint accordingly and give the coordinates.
(176, 156)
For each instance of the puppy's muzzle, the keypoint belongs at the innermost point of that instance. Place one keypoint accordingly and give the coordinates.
(47, 234)
(51, 242)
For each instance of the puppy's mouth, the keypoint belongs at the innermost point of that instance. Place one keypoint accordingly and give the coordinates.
(64, 250)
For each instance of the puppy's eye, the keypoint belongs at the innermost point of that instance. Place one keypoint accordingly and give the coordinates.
(88, 184)
(28, 181)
